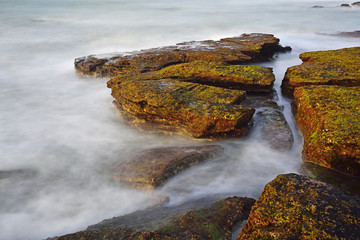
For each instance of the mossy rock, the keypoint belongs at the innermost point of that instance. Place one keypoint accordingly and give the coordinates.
(299, 207)
(245, 48)
(192, 109)
(213, 222)
(249, 78)
(244, 77)
(151, 168)
(328, 117)
(335, 67)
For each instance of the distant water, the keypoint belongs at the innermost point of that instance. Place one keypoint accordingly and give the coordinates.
(62, 131)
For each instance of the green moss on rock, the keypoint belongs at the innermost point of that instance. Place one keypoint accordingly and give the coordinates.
(243, 77)
(214, 222)
(335, 67)
(329, 117)
(299, 207)
(193, 109)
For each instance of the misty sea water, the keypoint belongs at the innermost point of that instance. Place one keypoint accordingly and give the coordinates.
(60, 133)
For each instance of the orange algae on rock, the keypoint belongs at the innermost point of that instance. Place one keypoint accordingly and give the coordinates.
(193, 109)
(334, 67)
(299, 207)
(329, 118)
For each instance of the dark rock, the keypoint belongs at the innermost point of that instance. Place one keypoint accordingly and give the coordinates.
(335, 67)
(356, 4)
(318, 6)
(183, 107)
(299, 207)
(275, 129)
(328, 117)
(214, 222)
(345, 5)
(246, 48)
(355, 34)
(338, 180)
(151, 168)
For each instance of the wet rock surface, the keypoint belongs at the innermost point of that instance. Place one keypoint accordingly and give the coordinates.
(329, 117)
(335, 67)
(338, 180)
(245, 48)
(151, 168)
(276, 130)
(214, 222)
(299, 207)
(174, 106)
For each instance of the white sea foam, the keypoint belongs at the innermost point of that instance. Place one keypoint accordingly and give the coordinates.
(64, 129)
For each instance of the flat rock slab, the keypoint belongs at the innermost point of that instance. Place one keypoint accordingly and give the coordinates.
(244, 77)
(329, 117)
(214, 222)
(299, 207)
(335, 67)
(248, 78)
(192, 109)
(151, 168)
(245, 48)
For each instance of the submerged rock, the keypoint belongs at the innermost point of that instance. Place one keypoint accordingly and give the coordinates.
(276, 130)
(299, 207)
(335, 67)
(151, 168)
(214, 222)
(355, 34)
(245, 48)
(328, 117)
(189, 108)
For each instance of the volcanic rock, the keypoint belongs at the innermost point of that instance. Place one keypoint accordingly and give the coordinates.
(151, 168)
(299, 207)
(328, 117)
(335, 67)
(183, 107)
(245, 48)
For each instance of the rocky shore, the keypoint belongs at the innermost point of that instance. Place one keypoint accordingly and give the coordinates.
(214, 90)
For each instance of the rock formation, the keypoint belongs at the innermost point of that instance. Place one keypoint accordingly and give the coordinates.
(336, 67)
(299, 207)
(329, 117)
(151, 168)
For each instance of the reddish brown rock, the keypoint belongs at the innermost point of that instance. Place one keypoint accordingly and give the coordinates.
(246, 48)
(151, 168)
(328, 117)
(299, 207)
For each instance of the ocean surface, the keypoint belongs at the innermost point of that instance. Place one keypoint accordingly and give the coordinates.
(59, 132)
